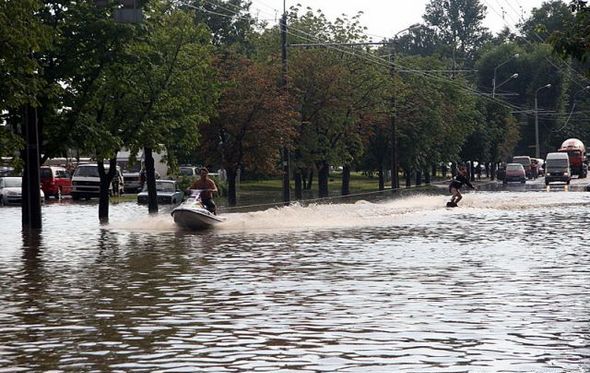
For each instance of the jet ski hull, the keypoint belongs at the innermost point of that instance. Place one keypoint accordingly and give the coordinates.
(194, 218)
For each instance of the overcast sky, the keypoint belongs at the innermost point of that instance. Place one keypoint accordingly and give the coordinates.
(383, 18)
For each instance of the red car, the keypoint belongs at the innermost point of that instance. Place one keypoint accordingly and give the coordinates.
(55, 181)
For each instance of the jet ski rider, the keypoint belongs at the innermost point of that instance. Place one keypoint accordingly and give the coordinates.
(207, 187)
(456, 183)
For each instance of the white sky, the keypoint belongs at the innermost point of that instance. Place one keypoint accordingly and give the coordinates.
(384, 18)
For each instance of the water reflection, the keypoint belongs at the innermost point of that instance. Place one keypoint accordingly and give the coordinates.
(499, 284)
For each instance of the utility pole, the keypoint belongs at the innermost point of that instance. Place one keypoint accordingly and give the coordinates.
(285, 150)
(31, 204)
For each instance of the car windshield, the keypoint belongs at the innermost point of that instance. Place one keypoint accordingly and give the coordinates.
(13, 182)
(45, 173)
(135, 168)
(186, 171)
(523, 161)
(162, 187)
(88, 171)
(513, 167)
(552, 163)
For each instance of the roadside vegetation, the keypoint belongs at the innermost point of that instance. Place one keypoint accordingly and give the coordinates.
(206, 81)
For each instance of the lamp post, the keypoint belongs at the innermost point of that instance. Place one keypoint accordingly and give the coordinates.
(513, 76)
(537, 150)
(394, 171)
(495, 70)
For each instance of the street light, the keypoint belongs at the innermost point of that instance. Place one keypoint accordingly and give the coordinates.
(495, 69)
(537, 150)
(513, 76)
(394, 173)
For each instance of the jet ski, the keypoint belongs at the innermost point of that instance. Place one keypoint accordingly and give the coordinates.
(192, 214)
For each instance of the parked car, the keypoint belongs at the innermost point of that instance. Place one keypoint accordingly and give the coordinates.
(6, 171)
(514, 172)
(557, 168)
(11, 190)
(55, 181)
(86, 181)
(166, 190)
(526, 162)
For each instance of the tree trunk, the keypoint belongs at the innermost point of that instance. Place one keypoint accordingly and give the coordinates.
(232, 195)
(105, 181)
(427, 177)
(418, 177)
(433, 170)
(408, 175)
(381, 178)
(493, 171)
(323, 175)
(150, 178)
(346, 180)
(298, 183)
(472, 171)
(309, 180)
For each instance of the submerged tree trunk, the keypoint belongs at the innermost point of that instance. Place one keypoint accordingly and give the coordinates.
(150, 177)
(323, 175)
(105, 181)
(232, 195)
(298, 183)
(493, 171)
(309, 180)
(346, 180)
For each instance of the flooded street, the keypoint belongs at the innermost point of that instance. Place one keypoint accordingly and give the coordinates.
(500, 284)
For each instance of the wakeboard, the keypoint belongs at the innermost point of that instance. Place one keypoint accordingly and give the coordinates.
(451, 204)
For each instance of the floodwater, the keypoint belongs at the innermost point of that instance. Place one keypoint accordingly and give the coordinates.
(500, 284)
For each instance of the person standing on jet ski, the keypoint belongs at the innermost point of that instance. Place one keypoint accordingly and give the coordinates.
(456, 183)
(207, 187)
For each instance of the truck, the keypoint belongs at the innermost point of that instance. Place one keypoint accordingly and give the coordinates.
(576, 151)
(133, 173)
(557, 168)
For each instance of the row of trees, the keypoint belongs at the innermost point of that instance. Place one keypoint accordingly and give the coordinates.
(205, 81)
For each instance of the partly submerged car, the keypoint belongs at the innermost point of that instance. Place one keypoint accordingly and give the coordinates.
(11, 191)
(166, 190)
(515, 172)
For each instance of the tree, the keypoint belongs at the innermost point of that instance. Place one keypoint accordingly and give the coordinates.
(552, 16)
(23, 37)
(458, 25)
(170, 88)
(254, 120)
(229, 21)
(574, 40)
(154, 89)
(435, 115)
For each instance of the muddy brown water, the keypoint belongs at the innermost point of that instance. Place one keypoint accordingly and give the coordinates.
(500, 284)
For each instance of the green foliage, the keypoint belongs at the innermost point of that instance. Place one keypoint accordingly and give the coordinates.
(23, 36)
(574, 40)
(458, 25)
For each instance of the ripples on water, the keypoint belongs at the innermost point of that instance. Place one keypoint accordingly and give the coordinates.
(498, 285)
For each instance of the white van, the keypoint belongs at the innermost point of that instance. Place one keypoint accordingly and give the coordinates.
(557, 168)
(86, 181)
